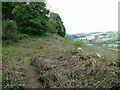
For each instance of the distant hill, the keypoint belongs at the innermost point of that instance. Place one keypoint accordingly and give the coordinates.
(80, 35)
(106, 39)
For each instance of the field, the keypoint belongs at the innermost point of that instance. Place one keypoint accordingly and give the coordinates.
(103, 39)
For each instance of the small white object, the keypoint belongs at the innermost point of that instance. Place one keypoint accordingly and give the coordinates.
(98, 54)
(40, 39)
(80, 49)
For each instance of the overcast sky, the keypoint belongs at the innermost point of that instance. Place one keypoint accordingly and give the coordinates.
(81, 16)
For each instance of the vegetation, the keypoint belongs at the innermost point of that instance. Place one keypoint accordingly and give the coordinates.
(44, 58)
(9, 30)
(57, 24)
(102, 39)
(6, 10)
(9, 27)
(49, 62)
(78, 43)
(32, 18)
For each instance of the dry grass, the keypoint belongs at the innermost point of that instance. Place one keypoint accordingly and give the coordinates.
(49, 63)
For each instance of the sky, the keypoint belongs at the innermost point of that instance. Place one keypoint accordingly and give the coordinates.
(82, 16)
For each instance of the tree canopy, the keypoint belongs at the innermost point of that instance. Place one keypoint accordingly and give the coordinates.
(33, 18)
(57, 24)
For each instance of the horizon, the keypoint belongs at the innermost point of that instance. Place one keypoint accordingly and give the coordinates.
(92, 32)
(86, 16)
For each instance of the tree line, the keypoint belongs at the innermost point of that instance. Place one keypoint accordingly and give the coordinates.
(31, 18)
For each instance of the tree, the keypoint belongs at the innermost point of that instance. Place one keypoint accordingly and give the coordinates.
(32, 18)
(7, 8)
(57, 24)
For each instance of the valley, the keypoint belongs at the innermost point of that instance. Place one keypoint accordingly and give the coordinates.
(103, 39)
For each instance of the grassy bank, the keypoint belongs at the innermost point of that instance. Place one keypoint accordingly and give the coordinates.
(30, 57)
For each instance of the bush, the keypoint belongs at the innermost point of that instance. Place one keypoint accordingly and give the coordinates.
(9, 30)
(78, 43)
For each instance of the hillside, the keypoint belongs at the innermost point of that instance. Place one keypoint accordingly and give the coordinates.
(51, 62)
(103, 39)
(36, 53)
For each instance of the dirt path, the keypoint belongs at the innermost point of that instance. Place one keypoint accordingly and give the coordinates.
(31, 76)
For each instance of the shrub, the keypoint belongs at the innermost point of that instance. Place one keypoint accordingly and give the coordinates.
(9, 31)
(78, 43)
(9, 27)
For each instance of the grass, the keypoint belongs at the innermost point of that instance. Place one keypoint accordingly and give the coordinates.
(15, 53)
(15, 58)
(106, 39)
(107, 53)
(0, 66)
(0, 79)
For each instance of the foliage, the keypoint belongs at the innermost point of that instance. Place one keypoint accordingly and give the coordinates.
(57, 24)
(10, 31)
(9, 28)
(32, 18)
(78, 43)
(6, 10)
(75, 36)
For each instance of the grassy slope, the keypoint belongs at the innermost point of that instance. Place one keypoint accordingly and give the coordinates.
(107, 53)
(0, 66)
(16, 57)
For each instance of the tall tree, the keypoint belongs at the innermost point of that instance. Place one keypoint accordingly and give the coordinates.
(7, 8)
(57, 24)
(32, 18)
